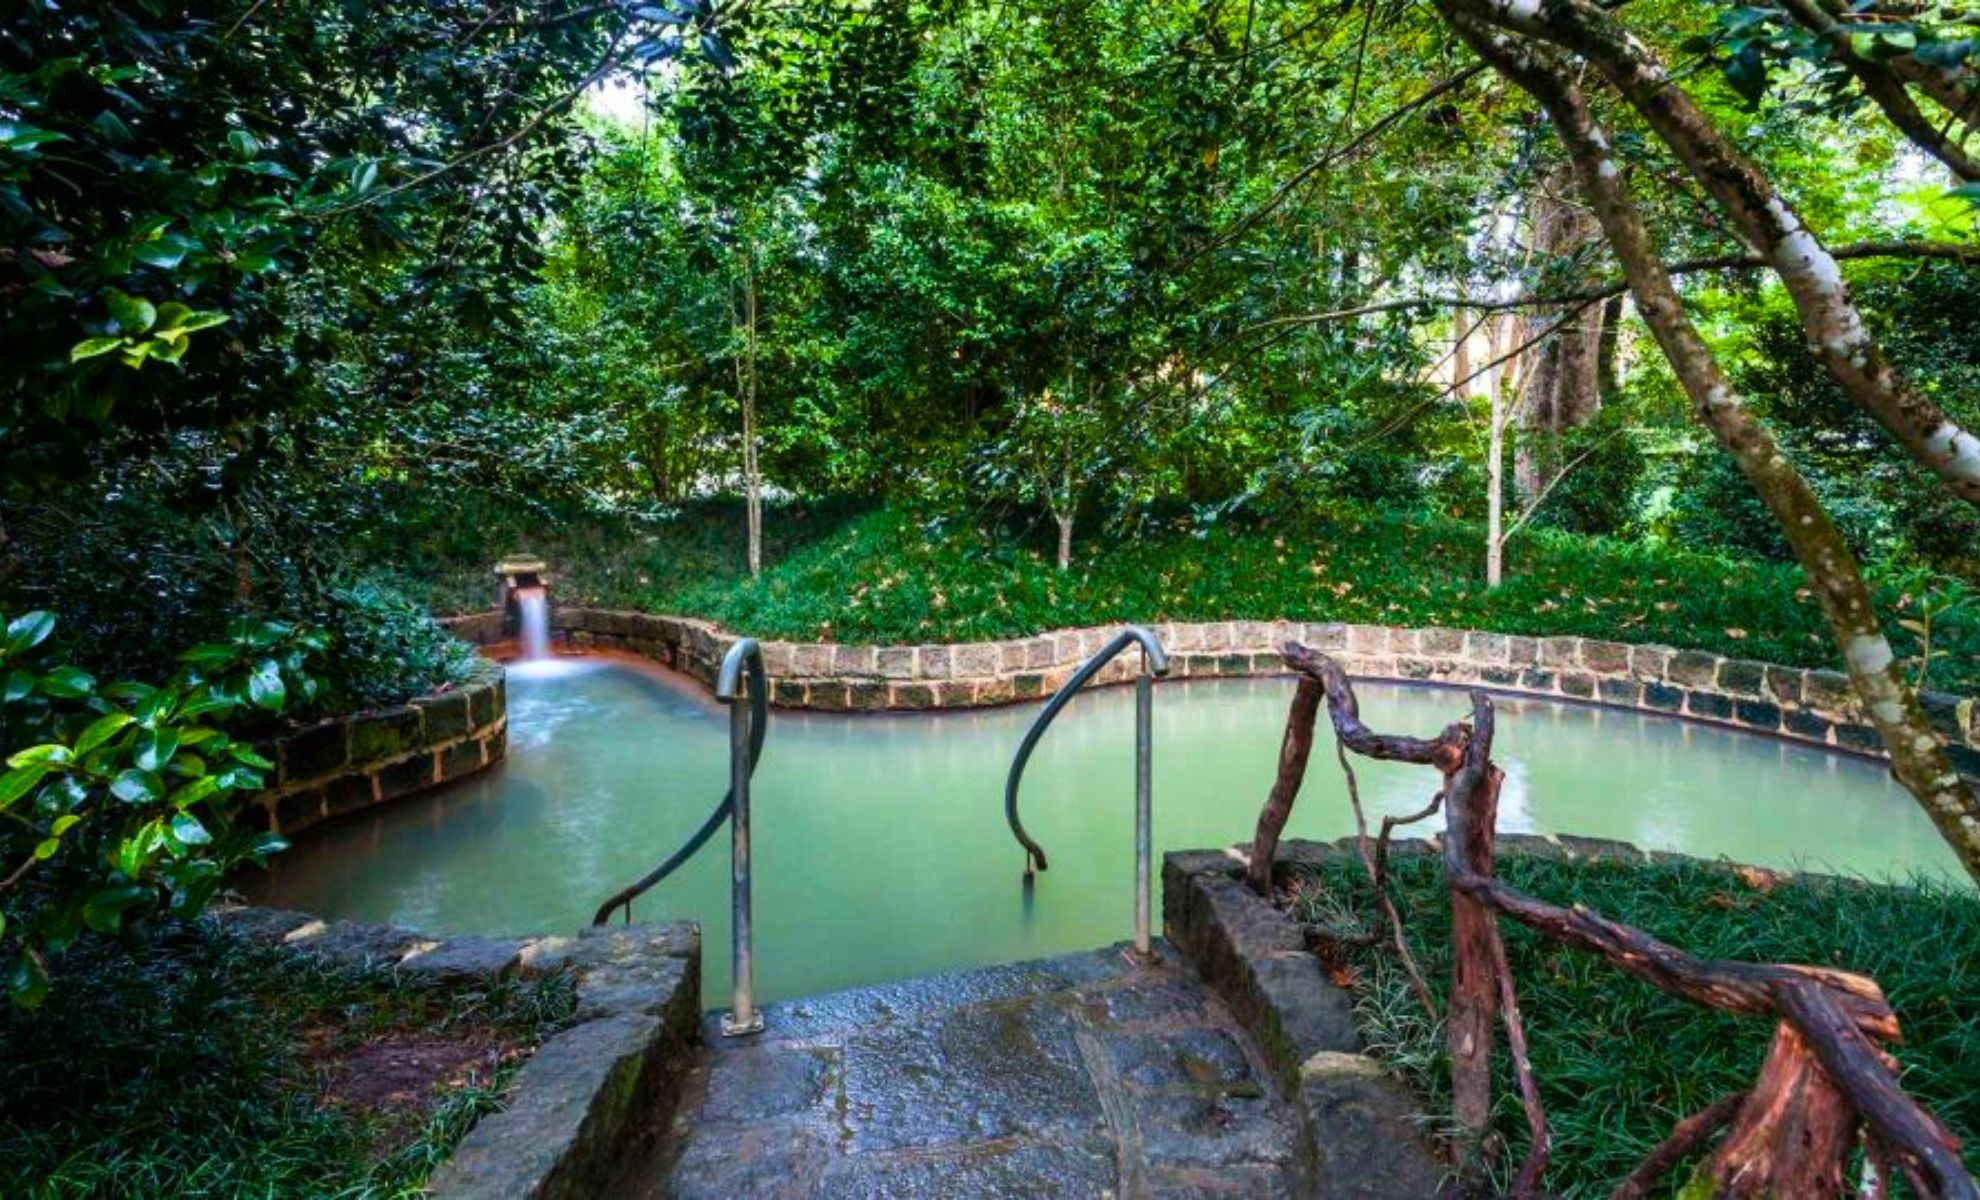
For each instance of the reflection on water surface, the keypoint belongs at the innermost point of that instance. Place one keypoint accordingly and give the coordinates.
(880, 843)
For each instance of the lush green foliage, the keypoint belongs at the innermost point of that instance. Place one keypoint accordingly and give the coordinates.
(193, 1064)
(120, 797)
(388, 648)
(895, 575)
(1618, 1061)
(998, 266)
(1888, 506)
(308, 303)
(221, 225)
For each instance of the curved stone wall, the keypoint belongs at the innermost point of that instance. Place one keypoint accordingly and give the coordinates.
(1812, 706)
(352, 762)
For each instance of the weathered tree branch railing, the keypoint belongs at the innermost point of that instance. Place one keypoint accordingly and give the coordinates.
(1827, 1082)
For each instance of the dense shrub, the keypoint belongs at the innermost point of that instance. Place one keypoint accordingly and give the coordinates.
(387, 648)
(1601, 493)
(134, 579)
(120, 798)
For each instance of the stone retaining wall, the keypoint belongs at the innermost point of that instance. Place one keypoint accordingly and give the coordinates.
(1361, 1128)
(1812, 706)
(352, 762)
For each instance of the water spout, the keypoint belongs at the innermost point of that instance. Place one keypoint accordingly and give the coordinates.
(533, 626)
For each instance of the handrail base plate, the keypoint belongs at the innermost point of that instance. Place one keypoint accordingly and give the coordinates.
(731, 1028)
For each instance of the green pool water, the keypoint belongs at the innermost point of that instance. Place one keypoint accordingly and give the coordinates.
(880, 844)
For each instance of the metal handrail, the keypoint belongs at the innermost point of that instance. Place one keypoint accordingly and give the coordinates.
(1154, 662)
(747, 728)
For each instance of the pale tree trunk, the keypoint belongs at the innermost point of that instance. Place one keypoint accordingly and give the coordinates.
(1495, 490)
(752, 476)
(1495, 455)
(1835, 328)
(1461, 354)
(1065, 510)
(1501, 334)
(1918, 759)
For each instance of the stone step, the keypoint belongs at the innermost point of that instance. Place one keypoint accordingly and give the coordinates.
(1079, 1076)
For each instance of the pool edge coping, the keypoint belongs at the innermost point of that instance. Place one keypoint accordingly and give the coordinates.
(1806, 706)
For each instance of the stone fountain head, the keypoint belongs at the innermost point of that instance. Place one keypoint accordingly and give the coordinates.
(522, 571)
(519, 573)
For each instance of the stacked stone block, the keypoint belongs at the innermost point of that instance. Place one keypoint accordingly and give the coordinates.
(352, 762)
(1814, 706)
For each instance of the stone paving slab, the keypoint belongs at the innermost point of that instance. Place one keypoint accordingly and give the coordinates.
(1072, 1077)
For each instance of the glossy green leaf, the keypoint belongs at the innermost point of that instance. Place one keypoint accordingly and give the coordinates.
(19, 782)
(134, 786)
(130, 313)
(94, 347)
(156, 748)
(50, 754)
(100, 731)
(28, 631)
(265, 688)
(68, 683)
(103, 910)
(189, 831)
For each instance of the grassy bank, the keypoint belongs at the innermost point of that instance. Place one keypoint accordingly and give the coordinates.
(842, 574)
(1618, 1061)
(197, 1064)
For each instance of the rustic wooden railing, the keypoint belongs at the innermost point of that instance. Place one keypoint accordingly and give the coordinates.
(1827, 1083)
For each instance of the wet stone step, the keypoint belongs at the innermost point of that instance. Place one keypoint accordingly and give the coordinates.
(1073, 1077)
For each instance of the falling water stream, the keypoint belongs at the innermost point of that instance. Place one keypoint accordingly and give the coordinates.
(533, 609)
(880, 846)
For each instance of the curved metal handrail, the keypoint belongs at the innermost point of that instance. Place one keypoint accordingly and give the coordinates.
(1154, 662)
(1153, 659)
(759, 724)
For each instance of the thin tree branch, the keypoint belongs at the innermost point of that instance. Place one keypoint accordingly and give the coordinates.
(1943, 251)
(553, 108)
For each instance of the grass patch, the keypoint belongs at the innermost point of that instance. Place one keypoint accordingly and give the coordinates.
(201, 1064)
(839, 573)
(1618, 1061)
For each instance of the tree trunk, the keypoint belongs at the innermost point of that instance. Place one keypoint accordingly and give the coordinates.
(1495, 489)
(1608, 352)
(1563, 390)
(752, 476)
(1793, 1135)
(1294, 750)
(1886, 88)
(1461, 381)
(1064, 520)
(1918, 759)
